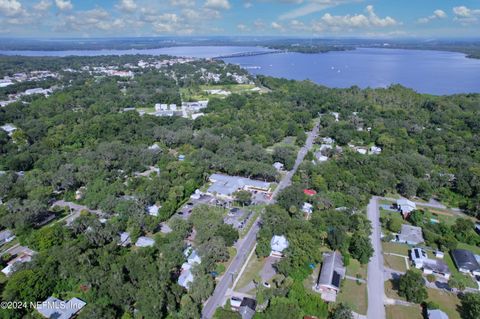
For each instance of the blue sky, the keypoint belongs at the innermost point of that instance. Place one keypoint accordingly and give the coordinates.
(324, 18)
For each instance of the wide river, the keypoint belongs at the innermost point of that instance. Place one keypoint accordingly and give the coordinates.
(433, 72)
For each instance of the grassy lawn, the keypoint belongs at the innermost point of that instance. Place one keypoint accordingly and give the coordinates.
(253, 269)
(391, 291)
(467, 280)
(354, 295)
(395, 262)
(287, 141)
(403, 312)
(395, 248)
(447, 302)
(199, 93)
(355, 268)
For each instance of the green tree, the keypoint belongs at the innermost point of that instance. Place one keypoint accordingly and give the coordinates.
(342, 311)
(411, 285)
(243, 197)
(470, 308)
(361, 248)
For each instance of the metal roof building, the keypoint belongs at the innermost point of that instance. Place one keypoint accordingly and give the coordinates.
(465, 261)
(226, 185)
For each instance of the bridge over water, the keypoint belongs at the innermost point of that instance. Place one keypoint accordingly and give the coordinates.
(244, 54)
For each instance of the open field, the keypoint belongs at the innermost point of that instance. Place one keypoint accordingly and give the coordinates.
(395, 262)
(403, 312)
(355, 268)
(199, 93)
(354, 295)
(395, 248)
(446, 301)
(391, 291)
(252, 270)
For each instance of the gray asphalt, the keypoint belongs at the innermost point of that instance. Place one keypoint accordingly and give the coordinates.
(375, 279)
(216, 300)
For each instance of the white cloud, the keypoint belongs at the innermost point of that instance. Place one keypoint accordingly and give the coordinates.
(277, 26)
(217, 4)
(183, 3)
(127, 5)
(466, 15)
(329, 22)
(43, 5)
(10, 8)
(311, 7)
(64, 5)
(437, 14)
(242, 27)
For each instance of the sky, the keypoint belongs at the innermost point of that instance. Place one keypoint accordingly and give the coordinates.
(307, 18)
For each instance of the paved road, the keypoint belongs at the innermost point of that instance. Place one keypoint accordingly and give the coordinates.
(375, 279)
(246, 246)
(75, 210)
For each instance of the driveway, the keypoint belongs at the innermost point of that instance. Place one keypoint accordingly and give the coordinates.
(375, 279)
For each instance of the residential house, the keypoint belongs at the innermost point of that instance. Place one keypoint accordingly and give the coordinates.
(54, 308)
(278, 244)
(465, 261)
(125, 239)
(375, 150)
(278, 166)
(6, 236)
(411, 235)
(22, 255)
(405, 207)
(307, 208)
(436, 314)
(320, 157)
(9, 128)
(186, 276)
(153, 210)
(429, 266)
(247, 308)
(309, 192)
(145, 242)
(331, 275)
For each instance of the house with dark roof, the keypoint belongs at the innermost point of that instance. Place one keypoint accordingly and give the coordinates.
(331, 275)
(247, 308)
(466, 261)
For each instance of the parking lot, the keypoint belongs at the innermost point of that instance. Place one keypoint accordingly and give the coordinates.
(238, 217)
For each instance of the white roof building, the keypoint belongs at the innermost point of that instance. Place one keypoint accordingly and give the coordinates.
(9, 128)
(145, 242)
(23, 257)
(54, 308)
(278, 244)
(125, 239)
(307, 208)
(405, 206)
(153, 210)
(226, 186)
(278, 166)
(375, 150)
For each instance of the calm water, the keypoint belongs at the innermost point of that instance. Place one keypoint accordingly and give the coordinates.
(431, 72)
(192, 51)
